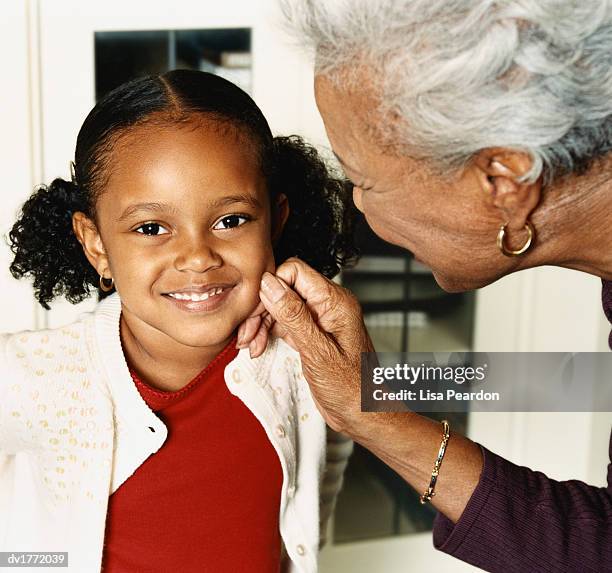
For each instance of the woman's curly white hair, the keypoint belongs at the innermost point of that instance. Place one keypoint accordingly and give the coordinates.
(459, 76)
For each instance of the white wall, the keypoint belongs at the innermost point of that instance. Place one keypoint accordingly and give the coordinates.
(16, 157)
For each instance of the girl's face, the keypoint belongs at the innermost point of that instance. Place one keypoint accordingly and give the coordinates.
(185, 230)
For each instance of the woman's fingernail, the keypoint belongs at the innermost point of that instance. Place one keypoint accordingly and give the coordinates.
(271, 287)
(239, 337)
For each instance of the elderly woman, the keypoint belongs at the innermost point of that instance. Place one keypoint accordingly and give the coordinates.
(477, 135)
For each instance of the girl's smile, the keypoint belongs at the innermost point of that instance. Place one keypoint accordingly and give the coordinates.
(201, 298)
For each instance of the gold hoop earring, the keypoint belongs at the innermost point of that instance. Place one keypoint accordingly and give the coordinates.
(501, 245)
(104, 286)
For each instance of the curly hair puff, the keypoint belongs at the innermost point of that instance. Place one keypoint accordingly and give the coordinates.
(46, 248)
(318, 230)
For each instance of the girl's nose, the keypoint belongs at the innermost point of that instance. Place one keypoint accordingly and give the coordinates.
(197, 256)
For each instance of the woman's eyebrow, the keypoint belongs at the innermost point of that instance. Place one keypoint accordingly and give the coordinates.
(146, 207)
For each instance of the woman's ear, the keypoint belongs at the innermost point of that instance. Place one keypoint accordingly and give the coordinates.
(88, 235)
(280, 214)
(500, 172)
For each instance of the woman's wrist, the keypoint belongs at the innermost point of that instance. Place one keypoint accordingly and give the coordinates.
(368, 427)
(409, 443)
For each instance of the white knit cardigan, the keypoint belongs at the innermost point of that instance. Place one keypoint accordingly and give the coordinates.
(73, 428)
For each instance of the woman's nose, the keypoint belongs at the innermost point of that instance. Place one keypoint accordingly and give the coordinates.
(198, 256)
(357, 193)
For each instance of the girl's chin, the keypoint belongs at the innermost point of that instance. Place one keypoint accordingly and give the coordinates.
(205, 340)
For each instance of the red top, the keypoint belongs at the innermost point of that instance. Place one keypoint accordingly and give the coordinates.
(209, 499)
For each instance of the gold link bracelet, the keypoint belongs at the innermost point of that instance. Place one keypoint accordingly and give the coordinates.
(436, 469)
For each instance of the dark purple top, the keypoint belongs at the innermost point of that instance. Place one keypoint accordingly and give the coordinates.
(518, 520)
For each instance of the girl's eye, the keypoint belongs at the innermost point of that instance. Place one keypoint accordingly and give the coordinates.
(153, 229)
(231, 221)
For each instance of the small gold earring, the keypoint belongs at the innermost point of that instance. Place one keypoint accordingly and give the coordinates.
(104, 286)
(501, 245)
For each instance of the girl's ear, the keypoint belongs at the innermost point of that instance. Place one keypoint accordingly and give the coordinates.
(88, 235)
(280, 214)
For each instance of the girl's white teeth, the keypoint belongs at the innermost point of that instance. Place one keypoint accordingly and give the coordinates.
(195, 297)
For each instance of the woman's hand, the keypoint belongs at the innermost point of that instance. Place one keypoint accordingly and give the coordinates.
(324, 323)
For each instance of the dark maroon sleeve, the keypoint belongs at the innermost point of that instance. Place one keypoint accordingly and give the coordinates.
(606, 299)
(518, 520)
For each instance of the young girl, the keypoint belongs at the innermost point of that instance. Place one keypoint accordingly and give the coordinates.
(138, 439)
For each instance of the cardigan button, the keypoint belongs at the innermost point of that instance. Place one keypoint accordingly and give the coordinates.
(280, 431)
(301, 550)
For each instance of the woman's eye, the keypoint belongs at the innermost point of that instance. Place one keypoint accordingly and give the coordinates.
(231, 221)
(151, 229)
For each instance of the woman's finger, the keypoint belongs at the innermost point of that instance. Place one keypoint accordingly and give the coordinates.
(247, 331)
(259, 342)
(292, 313)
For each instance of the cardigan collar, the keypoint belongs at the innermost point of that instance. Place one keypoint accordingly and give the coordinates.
(127, 401)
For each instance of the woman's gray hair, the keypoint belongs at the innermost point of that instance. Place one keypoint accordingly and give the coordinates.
(465, 75)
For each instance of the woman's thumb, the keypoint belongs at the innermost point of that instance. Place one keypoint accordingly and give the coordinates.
(291, 313)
